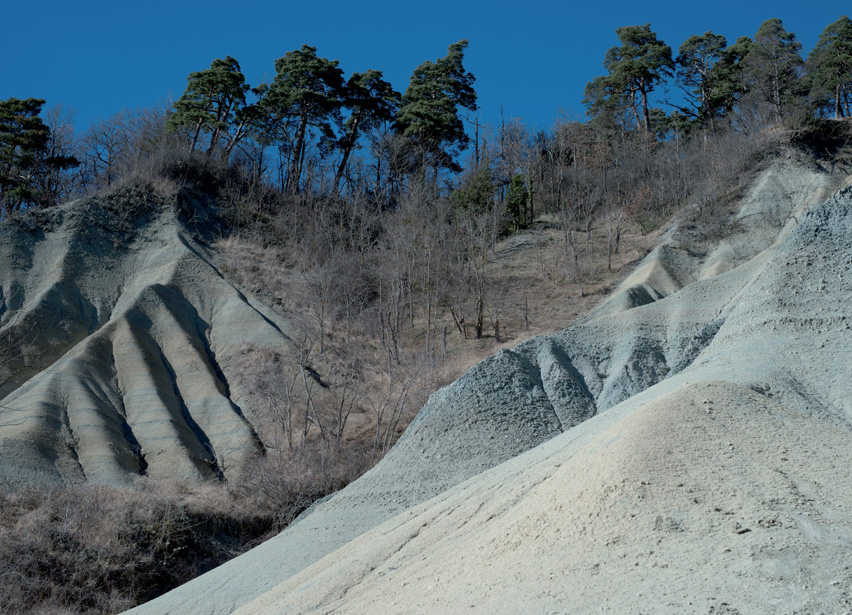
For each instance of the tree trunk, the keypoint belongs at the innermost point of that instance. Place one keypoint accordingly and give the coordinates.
(349, 144)
(196, 136)
(635, 110)
(232, 143)
(480, 314)
(645, 114)
(295, 171)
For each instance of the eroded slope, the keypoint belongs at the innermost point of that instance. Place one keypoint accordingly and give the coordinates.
(119, 339)
(724, 486)
(750, 328)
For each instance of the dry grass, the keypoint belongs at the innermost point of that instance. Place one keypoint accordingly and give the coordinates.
(530, 292)
(97, 549)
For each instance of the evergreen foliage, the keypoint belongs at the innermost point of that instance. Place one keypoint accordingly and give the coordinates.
(773, 66)
(729, 84)
(429, 114)
(307, 91)
(697, 62)
(26, 161)
(635, 69)
(829, 68)
(214, 101)
(476, 194)
(516, 203)
(371, 100)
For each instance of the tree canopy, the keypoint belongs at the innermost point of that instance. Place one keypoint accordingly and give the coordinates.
(429, 114)
(729, 84)
(634, 69)
(697, 61)
(26, 160)
(370, 100)
(213, 101)
(829, 68)
(307, 91)
(773, 65)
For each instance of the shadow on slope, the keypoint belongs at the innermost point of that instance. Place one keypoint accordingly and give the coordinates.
(121, 337)
(523, 397)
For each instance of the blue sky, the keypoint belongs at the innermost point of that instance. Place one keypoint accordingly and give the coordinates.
(533, 58)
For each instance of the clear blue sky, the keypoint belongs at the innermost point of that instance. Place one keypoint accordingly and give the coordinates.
(534, 58)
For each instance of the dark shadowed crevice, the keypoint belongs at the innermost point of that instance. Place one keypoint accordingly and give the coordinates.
(190, 422)
(242, 297)
(698, 343)
(69, 434)
(203, 330)
(126, 429)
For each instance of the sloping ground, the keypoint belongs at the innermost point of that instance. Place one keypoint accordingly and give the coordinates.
(772, 207)
(724, 488)
(710, 499)
(766, 344)
(118, 338)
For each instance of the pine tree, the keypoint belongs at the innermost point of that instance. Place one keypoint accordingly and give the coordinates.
(307, 91)
(429, 114)
(475, 194)
(773, 66)
(729, 83)
(516, 203)
(213, 101)
(697, 60)
(635, 69)
(371, 100)
(25, 157)
(829, 68)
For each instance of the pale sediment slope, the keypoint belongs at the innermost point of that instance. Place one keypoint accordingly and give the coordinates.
(771, 342)
(771, 208)
(119, 337)
(712, 498)
(698, 494)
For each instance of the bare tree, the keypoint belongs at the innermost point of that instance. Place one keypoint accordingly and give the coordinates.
(107, 146)
(389, 406)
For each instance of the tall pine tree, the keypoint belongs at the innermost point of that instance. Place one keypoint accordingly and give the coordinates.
(25, 157)
(635, 69)
(307, 91)
(370, 100)
(213, 102)
(829, 68)
(696, 72)
(773, 66)
(429, 114)
(729, 83)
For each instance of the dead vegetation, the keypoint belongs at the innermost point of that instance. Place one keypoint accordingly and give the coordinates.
(98, 549)
(390, 303)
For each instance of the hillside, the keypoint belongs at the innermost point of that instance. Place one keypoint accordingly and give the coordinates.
(120, 339)
(616, 464)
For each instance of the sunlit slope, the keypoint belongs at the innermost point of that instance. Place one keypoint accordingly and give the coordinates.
(760, 332)
(120, 337)
(726, 485)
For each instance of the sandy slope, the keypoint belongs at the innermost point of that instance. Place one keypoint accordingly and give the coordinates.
(724, 488)
(120, 338)
(711, 498)
(764, 345)
(773, 206)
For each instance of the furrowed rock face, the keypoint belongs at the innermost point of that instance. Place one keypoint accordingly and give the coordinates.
(119, 338)
(594, 466)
